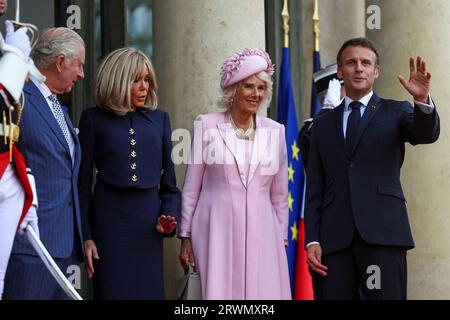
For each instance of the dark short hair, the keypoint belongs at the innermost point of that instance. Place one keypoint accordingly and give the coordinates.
(357, 42)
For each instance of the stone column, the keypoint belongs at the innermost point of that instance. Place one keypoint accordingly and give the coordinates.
(340, 20)
(411, 28)
(191, 40)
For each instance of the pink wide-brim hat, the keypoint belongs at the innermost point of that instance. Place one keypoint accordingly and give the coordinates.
(244, 64)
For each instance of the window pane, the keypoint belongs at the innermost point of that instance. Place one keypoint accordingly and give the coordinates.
(139, 25)
(97, 31)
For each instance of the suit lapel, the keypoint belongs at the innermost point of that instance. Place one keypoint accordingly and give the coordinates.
(37, 100)
(371, 109)
(76, 142)
(228, 135)
(148, 115)
(262, 138)
(71, 128)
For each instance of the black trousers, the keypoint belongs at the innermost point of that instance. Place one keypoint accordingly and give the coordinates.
(363, 271)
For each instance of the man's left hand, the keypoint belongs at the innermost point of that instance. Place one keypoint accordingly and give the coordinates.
(419, 80)
(165, 224)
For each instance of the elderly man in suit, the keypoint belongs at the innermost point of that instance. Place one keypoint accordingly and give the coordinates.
(355, 217)
(53, 153)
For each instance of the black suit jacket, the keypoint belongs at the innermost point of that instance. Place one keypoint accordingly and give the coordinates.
(360, 189)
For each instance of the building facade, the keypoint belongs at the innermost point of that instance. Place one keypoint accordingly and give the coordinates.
(189, 39)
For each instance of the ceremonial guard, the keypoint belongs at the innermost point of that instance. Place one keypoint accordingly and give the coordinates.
(18, 200)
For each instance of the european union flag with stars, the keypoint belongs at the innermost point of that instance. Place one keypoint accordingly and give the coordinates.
(287, 116)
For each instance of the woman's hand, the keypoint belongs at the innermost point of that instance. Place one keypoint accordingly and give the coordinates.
(90, 251)
(165, 224)
(186, 253)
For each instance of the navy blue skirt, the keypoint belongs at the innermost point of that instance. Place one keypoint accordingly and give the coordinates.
(130, 249)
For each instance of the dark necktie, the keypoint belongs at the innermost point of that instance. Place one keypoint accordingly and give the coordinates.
(352, 124)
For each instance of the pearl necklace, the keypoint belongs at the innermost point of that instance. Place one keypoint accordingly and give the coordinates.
(248, 134)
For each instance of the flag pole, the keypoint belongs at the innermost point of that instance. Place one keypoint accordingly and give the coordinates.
(315, 102)
(18, 10)
(316, 29)
(285, 16)
(31, 27)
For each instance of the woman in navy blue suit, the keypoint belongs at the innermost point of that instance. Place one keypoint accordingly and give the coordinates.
(135, 201)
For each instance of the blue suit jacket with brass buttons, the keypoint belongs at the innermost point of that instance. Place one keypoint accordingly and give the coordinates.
(131, 151)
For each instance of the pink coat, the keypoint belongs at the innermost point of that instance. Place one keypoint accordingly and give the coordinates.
(238, 223)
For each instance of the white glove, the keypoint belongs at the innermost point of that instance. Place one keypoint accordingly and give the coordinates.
(32, 219)
(18, 38)
(333, 97)
(14, 69)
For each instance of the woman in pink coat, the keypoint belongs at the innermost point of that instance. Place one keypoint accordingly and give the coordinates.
(234, 202)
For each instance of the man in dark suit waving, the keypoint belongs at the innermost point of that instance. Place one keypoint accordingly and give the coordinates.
(53, 153)
(357, 228)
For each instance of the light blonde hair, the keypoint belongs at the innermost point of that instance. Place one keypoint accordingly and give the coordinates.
(228, 93)
(115, 77)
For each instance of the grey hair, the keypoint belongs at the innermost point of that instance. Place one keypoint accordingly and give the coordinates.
(226, 101)
(54, 42)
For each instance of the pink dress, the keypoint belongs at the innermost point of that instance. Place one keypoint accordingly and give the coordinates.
(236, 212)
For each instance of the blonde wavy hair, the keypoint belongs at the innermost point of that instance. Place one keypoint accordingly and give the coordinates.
(115, 77)
(228, 93)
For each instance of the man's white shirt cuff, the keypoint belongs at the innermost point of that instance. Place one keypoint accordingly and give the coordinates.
(426, 108)
(311, 243)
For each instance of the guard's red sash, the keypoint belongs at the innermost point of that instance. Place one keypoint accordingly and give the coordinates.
(21, 170)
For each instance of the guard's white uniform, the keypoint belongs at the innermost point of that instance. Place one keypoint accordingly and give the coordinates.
(12, 197)
(18, 200)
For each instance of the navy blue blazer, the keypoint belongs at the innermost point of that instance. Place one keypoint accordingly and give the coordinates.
(48, 156)
(360, 189)
(131, 151)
